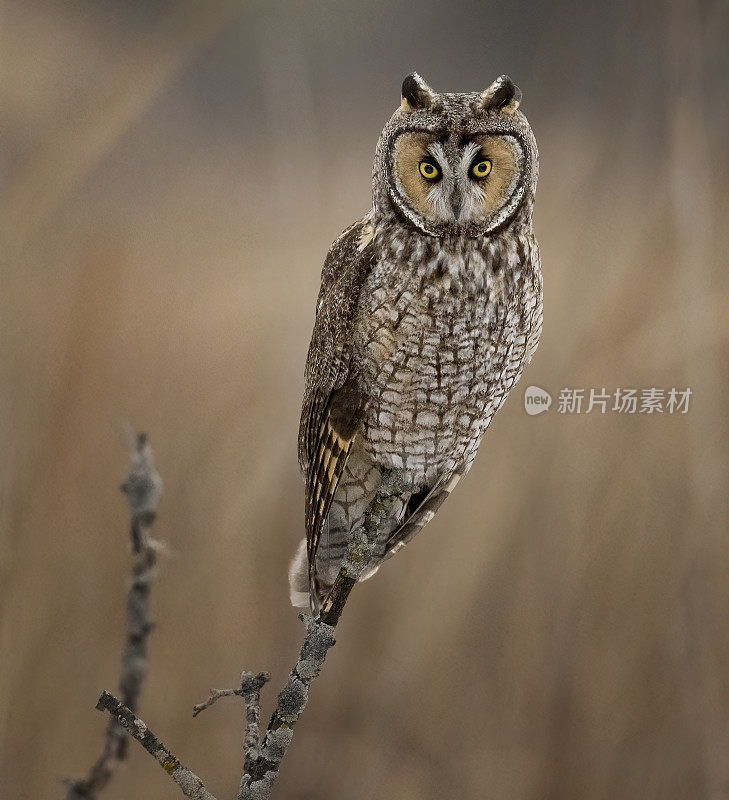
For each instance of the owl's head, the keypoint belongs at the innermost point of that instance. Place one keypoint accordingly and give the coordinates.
(457, 163)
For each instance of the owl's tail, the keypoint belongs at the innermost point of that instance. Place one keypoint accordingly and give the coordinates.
(302, 593)
(307, 594)
(299, 577)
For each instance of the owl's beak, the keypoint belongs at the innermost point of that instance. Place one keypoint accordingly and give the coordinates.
(456, 203)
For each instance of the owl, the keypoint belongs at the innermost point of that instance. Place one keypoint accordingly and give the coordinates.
(429, 308)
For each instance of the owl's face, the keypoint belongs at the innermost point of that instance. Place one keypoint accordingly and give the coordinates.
(458, 164)
(453, 180)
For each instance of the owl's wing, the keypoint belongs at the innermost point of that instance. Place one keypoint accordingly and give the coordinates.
(334, 403)
(421, 509)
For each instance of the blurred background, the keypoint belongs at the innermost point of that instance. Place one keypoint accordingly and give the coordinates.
(171, 177)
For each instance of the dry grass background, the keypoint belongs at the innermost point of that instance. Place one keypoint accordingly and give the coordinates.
(172, 176)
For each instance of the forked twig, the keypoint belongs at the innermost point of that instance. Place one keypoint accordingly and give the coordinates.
(262, 758)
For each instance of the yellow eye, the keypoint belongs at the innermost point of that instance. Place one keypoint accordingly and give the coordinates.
(481, 169)
(429, 171)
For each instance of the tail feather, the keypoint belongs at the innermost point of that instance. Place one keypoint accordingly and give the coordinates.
(305, 591)
(299, 577)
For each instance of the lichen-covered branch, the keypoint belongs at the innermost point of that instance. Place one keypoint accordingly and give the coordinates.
(261, 771)
(250, 690)
(190, 785)
(263, 761)
(261, 757)
(142, 488)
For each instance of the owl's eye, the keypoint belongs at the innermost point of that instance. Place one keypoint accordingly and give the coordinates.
(480, 169)
(429, 171)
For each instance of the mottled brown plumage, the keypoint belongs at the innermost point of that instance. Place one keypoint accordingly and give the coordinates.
(429, 308)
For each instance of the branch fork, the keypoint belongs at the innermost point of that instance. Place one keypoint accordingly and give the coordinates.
(262, 754)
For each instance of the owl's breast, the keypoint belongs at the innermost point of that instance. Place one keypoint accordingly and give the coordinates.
(436, 364)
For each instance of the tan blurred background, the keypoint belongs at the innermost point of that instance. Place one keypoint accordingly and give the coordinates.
(171, 176)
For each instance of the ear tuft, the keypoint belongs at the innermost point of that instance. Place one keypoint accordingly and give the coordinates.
(502, 95)
(416, 93)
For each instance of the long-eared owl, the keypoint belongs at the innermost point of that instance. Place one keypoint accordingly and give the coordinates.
(429, 308)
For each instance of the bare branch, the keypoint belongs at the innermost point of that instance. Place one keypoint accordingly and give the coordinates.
(215, 695)
(250, 685)
(189, 783)
(143, 488)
